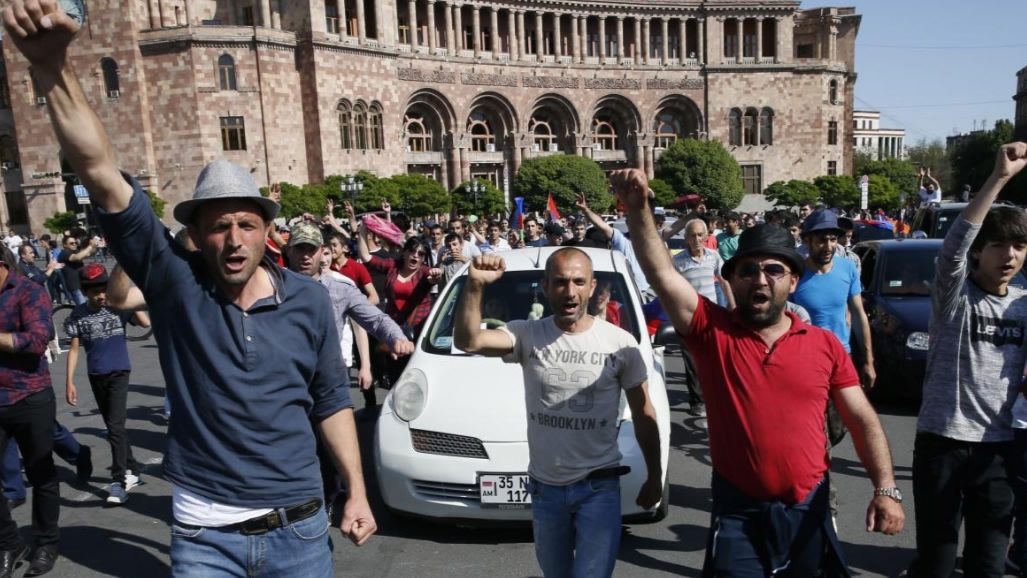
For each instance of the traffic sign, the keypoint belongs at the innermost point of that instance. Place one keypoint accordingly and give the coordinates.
(864, 192)
(82, 195)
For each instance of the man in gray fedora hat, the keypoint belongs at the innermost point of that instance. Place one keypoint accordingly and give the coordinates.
(246, 381)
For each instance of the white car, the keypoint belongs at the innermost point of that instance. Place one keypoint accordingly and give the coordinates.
(451, 441)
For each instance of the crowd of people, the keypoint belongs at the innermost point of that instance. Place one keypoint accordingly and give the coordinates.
(256, 326)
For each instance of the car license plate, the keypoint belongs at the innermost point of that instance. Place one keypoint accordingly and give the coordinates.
(504, 491)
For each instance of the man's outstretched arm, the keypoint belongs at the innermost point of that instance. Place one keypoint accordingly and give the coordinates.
(42, 32)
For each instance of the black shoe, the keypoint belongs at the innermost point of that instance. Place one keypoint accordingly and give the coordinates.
(13, 503)
(11, 559)
(84, 465)
(42, 561)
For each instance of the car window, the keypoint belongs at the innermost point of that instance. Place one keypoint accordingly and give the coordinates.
(944, 223)
(908, 273)
(518, 295)
(868, 260)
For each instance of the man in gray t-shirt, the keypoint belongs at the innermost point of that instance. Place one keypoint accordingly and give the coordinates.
(575, 367)
(961, 456)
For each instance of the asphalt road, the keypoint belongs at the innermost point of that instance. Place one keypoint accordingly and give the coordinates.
(133, 540)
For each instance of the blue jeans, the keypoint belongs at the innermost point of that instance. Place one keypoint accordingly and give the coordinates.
(577, 527)
(64, 445)
(1018, 477)
(301, 549)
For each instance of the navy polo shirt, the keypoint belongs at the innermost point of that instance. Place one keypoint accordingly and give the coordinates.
(245, 386)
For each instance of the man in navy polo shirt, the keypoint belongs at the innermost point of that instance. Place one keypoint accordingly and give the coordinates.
(770, 507)
(246, 380)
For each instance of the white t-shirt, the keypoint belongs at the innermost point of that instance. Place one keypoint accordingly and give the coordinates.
(13, 242)
(572, 388)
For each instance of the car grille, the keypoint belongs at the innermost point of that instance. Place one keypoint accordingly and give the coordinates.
(433, 442)
(466, 492)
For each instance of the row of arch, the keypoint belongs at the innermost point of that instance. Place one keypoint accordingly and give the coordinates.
(552, 124)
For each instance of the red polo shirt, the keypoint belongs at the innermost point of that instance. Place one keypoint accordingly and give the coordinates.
(766, 405)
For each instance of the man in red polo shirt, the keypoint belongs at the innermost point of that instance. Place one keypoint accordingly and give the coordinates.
(766, 377)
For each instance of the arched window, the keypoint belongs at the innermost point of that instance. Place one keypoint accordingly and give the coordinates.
(542, 137)
(668, 129)
(8, 151)
(767, 126)
(111, 84)
(376, 132)
(345, 124)
(482, 138)
(226, 72)
(604, 133)
(360, 126)
(832, 92)
(419, 137)
(749, 127)
(735, 128)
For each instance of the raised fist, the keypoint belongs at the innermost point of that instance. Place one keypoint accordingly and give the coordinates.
(631, 187)
(487, 268)
(43, 29)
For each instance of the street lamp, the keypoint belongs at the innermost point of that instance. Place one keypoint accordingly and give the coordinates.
(352, 186)
(476, 188)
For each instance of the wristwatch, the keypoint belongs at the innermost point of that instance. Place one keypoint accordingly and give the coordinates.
(893, 493)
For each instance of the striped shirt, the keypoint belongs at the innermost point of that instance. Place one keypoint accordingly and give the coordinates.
(702, 273)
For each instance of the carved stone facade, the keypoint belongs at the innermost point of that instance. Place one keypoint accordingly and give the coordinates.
(299, 90)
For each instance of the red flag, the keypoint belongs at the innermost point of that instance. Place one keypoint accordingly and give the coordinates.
(554, 214)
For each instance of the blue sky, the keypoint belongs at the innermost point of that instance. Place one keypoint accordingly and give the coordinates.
(935, 66)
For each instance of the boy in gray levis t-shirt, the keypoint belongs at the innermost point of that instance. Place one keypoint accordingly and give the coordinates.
(974, 364)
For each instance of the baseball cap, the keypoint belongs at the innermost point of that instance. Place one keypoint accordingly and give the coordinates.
(92, 275)
(306, 234)
(822, 220)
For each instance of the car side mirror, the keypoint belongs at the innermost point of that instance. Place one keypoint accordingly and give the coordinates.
(666, 335)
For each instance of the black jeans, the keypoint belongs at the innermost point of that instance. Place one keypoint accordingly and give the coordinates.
(111, 393)
(31, 423)
(952, 481)
(691, 378)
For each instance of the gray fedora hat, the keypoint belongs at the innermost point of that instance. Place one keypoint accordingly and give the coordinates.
(222, 179)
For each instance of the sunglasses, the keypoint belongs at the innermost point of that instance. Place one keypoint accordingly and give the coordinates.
(773, 271)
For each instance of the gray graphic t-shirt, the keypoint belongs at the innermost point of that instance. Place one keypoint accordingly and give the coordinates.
(976, 355)
(572, 391)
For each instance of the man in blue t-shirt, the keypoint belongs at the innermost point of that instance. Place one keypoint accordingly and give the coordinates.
(830, 290)
(102, 331)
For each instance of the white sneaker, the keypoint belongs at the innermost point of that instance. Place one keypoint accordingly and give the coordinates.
(117, 494)
(131, 480)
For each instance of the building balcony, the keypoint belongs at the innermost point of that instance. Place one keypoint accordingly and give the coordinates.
(615, 156)
(424, 158)
(487, 158)
(216, 33)
(467, 53)
(548, 58)
(529, 57)
(591, 60)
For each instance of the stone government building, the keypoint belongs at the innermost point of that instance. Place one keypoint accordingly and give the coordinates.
(300, 89)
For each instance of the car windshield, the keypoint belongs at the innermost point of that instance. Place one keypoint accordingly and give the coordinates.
(908, 272)
(518, 295)
(945, 220)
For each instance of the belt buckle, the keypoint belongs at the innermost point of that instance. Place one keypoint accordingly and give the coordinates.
(261, 525)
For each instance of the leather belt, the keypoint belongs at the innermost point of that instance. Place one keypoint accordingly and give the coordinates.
(272, 520)
(605, 473)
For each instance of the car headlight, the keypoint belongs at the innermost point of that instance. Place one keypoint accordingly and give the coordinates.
(918, 340)
(409, 395)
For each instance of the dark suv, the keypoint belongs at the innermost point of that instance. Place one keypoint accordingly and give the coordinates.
(936, 218)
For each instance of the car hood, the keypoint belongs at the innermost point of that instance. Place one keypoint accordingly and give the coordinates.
(913, 312)
(473, 396)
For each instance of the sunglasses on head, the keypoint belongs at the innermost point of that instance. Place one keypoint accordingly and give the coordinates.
(772, 270)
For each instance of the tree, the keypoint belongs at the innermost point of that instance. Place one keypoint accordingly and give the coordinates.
(934, 156)
(488, 202)
(156, 203)
(973, 157)
(61, 222)
(563, 176)
(665, 193)
(883, 193)
(901, 173)
(792, 193)
(837, 191)
(420, 196)
(705, 168)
